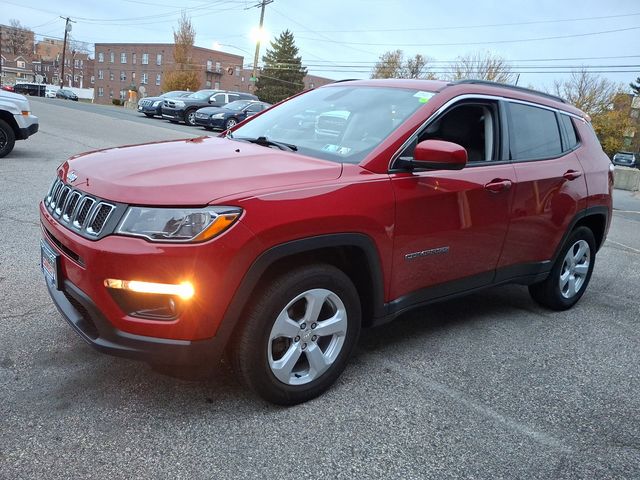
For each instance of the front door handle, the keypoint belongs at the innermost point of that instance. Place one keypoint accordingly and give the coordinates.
(498, 185)
(572, 174)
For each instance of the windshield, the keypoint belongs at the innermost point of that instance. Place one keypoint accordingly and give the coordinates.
(175, 93)
(237, 105)
(625, 156)
(341, 124)
(201, 95)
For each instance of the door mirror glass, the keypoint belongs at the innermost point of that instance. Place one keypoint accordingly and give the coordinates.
(439, 155)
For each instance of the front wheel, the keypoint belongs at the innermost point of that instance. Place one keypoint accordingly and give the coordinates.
(190, 117)
(232, 122)
(298, 334)
(570, 274)
(7, 138)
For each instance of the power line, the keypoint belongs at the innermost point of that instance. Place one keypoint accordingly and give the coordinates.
(488, 42)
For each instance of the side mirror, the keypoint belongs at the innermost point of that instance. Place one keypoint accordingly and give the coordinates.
(439, 155)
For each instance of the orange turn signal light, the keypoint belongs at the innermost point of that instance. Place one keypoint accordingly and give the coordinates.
(183, 290)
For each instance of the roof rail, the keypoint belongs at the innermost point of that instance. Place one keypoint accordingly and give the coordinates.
(510, 87)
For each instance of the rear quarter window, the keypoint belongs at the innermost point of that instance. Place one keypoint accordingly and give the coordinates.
(570, 132)
(533, 133)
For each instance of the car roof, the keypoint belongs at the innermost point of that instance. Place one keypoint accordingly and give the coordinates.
(477, 87)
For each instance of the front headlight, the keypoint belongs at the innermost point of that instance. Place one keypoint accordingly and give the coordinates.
(177, 224)
(178, 103)
(156, 103)
(218, 115)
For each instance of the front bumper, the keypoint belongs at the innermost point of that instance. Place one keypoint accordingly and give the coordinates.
(27, 126)
(88, 322)
(173, 114)
(150, 109)
(209, 122)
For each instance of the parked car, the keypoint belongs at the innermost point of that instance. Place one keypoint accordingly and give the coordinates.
(222, 118)
(184, 109)
(16, 121)
(50, 93)
(151, 106)
(626, 159)
(66, 94)
(7, 88)
(277, 247)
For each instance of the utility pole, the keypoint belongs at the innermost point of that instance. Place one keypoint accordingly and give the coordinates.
(67, 29)
(262, 4)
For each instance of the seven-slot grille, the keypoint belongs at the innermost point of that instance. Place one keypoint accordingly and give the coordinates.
(146, 103)
(76, 210)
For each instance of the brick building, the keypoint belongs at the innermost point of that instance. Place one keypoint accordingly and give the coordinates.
(118, 66)
(310, 81)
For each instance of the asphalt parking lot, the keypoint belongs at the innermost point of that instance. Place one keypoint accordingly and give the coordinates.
(490, 386)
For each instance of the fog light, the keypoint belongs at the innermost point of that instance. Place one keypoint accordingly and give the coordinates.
(183, 290)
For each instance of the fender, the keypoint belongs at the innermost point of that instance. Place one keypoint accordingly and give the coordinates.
(278, 252)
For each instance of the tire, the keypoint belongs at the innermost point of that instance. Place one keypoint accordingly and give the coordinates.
(570, 273)
(7, 138)
(208, 128)
(190, 117)
(150, 115)
(317, 360)
(232, 122)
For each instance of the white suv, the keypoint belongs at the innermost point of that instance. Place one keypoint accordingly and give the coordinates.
(16, 120)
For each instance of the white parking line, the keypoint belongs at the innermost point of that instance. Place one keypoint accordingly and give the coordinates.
(635, 250)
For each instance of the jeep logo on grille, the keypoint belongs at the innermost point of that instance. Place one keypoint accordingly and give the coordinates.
(72, 176)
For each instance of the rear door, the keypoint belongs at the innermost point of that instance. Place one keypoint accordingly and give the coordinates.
(550, 187)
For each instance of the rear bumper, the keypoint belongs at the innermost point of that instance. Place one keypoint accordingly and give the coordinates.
(91, 325)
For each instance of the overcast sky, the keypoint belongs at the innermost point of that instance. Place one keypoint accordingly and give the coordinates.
(343, 38)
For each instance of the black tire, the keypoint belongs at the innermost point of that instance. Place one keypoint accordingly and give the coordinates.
(7, 138)
(231, 122)
(188, 119)
(208, 128)
(549, 292)
(251, 352)
(150, 115)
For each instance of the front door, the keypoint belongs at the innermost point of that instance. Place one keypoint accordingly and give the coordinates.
(451, 225)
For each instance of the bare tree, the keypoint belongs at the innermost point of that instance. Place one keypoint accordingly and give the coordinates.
(78, 46)
(590, 92)
(481, 66)
(185, 75)
(19, 39)
(392, 64)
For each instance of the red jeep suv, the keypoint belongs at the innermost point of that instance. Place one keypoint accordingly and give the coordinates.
(338, 209)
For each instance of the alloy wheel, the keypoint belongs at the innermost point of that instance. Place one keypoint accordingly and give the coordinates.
(307, 336)
(575, 268)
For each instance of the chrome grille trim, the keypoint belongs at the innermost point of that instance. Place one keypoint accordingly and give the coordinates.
(77, 210)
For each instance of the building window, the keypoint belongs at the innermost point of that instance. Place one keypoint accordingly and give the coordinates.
(93, 79)
(110, 93)
(158, 79)
(112, 57)
(123, 94)
(20, 63)
(145, 59)
(208, 84)
(217, 86)
(123, 76)
(237, 71)
(100, 92)
(101, 57)
(159, 59)
(134, 58)
(218, 68)
(123, 57)
(144, 79)
(133, 75)
(209, 66)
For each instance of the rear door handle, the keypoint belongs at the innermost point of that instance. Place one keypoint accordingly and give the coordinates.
(572, 174)
(498, 185)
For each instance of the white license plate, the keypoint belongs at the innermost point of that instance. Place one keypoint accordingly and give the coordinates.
(49, 264)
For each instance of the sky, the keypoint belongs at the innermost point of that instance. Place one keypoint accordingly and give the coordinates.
(543, 39)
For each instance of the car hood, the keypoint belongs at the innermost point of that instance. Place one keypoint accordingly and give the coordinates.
(212, 110)
(193, 172)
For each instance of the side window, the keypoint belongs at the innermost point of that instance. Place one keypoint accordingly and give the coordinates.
(218, 98)
(254, 108)
(570, 138)
(533, 133)
(474, 126)
(233, 98)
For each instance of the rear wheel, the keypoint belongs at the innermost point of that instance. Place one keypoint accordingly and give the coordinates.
(232, 122)
(570, 274)
(7, 138)
(298, 334)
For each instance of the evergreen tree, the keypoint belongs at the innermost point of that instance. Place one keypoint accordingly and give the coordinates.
(282, 72)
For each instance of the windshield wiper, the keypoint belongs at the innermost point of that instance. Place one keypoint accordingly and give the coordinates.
(264, 141)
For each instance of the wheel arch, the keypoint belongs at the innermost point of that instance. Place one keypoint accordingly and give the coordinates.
(11, 121)
(595, 218)
(353, 253)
